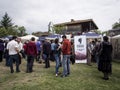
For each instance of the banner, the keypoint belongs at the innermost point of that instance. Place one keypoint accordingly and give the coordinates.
(80, 49)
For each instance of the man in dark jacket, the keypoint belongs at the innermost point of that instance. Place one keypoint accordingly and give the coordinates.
(105, 58)
(46, 53)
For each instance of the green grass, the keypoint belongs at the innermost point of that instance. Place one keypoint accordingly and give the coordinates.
(82, 77)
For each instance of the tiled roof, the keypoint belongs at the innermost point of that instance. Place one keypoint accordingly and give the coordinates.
(76, 22)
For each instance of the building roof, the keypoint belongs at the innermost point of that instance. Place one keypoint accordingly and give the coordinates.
(117, 29)
(77, 22)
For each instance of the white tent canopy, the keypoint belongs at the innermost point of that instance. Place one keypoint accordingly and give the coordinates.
(92, 35)
(28, 37)
(117, 36)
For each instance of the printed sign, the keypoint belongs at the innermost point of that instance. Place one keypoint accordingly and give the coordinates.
(80, 49)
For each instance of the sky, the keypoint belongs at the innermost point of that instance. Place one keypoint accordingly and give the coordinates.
(35, 15)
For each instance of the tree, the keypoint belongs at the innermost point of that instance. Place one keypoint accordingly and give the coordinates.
(8, 28)
(116, 25)
(6, 21)
(98, 31)
(20, 30)
(3, 32)
(58, 29)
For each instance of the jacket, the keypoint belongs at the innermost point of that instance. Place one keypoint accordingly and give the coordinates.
(66, 48)
(31, 49)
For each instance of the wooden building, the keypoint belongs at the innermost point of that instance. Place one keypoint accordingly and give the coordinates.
(39, 34)
(114, 32)
(77, 26)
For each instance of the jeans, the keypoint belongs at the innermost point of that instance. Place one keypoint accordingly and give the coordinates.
(97, 59)
(7, 60)
(6, 56)
(1, 56)
(38, 56)
(30, 61)
(47, 62)
(11, 58)
(57, 63)
(66, 64)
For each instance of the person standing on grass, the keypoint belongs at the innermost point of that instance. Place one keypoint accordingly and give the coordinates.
(72, 56)
(52, 58)
(46, 52)
(31, 51)
(66, 50)
(1, 50)
(6, 53)
(24, 48)
(57, 56)
(105, 58)
(13, 50)
(20, 48)
(97, 48)
(38, 45)
(89, 51)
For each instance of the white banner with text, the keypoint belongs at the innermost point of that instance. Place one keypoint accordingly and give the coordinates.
(80, 49)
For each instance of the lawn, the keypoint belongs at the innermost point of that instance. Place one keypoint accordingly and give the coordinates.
(82, 77)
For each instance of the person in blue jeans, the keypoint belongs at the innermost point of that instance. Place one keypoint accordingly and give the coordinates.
(66, 50)
(12, 48)
(56, 52)
(66, 65)
(38, 45)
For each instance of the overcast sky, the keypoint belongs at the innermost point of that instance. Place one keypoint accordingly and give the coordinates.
(36, 14)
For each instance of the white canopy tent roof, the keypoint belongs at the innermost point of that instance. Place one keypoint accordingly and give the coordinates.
(117, 36)
(92, 35)
(28, 37)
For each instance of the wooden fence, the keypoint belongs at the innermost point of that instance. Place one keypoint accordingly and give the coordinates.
(116, 48)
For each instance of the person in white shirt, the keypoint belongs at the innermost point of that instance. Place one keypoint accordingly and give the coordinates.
(13, 51)
(20, 48)
(20, 45)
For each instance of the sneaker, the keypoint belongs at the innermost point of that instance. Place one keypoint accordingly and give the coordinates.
(56, 75)
(68, 73)
(59, 73)
(105, 78)
(12, 71)
(63, 76)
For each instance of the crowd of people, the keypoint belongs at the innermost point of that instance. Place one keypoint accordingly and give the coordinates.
(60, 52)
(14, 50)
(101, 53)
